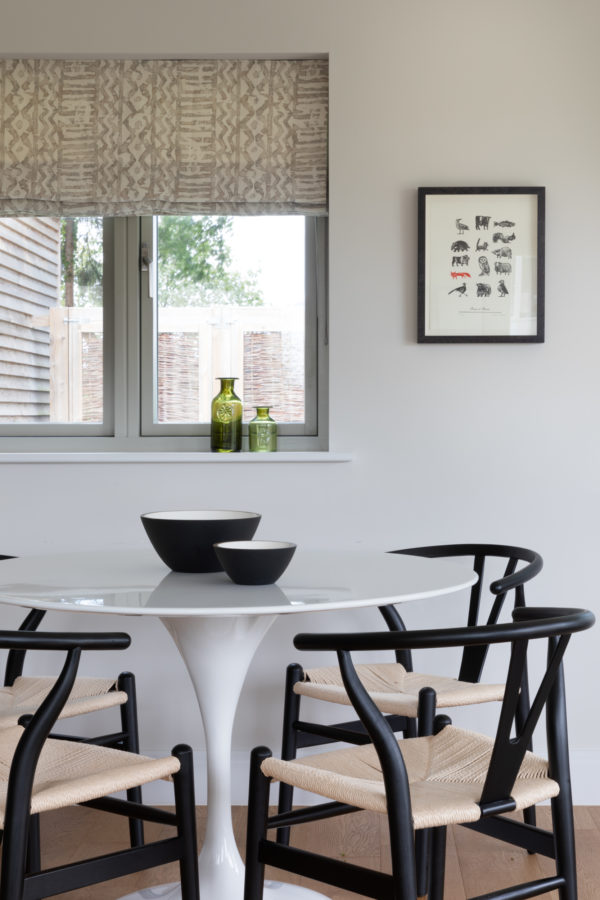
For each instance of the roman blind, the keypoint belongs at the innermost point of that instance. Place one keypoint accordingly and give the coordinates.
(119, 137)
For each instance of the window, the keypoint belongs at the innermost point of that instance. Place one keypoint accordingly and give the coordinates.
(113, 332)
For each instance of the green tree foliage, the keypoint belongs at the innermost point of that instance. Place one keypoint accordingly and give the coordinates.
(81, 261)
(195, 267)
(194, 263)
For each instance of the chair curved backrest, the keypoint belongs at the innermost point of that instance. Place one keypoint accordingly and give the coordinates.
(513, 579)
(533, 623)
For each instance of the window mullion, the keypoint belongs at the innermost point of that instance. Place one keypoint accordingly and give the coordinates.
(147, 352)
(133, 225)
(118, 249)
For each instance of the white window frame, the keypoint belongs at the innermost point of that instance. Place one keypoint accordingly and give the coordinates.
(128, 378)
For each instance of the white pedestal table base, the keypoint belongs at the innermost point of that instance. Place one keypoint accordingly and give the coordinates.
(217, 652)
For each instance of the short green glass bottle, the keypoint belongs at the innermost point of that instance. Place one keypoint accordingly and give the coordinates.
(226, 419)
(262, 431)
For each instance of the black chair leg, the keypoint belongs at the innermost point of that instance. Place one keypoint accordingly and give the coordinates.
(564, 840)
(291, 711)
(562, 806)
(411, 729)
(186, 822)
(529, 816)
(258, 811)
(422, 852)
(14, 851)
(438, 864)
(33, 861)
(425, 720)
(131, 743)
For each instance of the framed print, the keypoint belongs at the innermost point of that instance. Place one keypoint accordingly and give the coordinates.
(481, 264)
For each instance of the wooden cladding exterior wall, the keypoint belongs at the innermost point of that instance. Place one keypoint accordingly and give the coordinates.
(29, 287)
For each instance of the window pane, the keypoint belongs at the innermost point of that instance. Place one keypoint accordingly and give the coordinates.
(230, 301)
(51, 320)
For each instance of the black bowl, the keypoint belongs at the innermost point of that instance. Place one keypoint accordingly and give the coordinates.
(184, 538)
(255, 562)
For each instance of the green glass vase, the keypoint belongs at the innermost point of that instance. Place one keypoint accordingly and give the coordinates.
(262, 431)
(226, 419)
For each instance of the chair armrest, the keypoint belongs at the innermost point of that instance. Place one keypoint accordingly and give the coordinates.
(60, 640)
(554, 622)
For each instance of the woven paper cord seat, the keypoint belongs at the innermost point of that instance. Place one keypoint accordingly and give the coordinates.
(395, 690)
(88, 695)
(445, 772)
(71, 772)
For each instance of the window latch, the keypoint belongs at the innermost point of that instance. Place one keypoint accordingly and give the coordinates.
(145, 258)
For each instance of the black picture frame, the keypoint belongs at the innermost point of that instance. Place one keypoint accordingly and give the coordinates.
(481, 264)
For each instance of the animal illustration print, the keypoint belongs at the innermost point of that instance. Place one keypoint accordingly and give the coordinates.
(493, 278)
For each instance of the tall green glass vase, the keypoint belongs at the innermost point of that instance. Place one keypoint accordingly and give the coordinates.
(262, 431)
(226, 420)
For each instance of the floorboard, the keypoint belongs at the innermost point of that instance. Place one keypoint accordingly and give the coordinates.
(475, 863)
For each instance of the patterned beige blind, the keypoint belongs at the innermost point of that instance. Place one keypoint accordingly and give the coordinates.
(140, 137)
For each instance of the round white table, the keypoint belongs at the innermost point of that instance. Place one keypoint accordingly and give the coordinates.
(217, 627)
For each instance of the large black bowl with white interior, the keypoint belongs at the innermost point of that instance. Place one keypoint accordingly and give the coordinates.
(255, 562)
(184, 538)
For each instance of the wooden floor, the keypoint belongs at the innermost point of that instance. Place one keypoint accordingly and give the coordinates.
(475, 864)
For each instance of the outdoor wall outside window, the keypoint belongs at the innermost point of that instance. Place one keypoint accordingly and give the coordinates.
(52, 353)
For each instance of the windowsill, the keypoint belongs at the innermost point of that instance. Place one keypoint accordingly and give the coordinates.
(290, 456)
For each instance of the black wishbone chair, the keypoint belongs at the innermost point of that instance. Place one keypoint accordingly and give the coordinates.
(21, 695)
(453, 776)
(42, 773)
(408, 698)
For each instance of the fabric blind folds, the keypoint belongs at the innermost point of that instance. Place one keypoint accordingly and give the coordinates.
(142, 137)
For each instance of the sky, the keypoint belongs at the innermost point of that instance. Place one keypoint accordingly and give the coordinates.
(273, 247)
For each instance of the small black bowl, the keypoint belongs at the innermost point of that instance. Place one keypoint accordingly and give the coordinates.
(184, 538)
(254, 562)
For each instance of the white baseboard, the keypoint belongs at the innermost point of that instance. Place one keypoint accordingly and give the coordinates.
(585, 769)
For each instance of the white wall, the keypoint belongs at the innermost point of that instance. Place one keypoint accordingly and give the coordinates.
(450, 442)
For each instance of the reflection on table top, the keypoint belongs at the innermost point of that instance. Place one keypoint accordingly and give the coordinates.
(136, 582)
